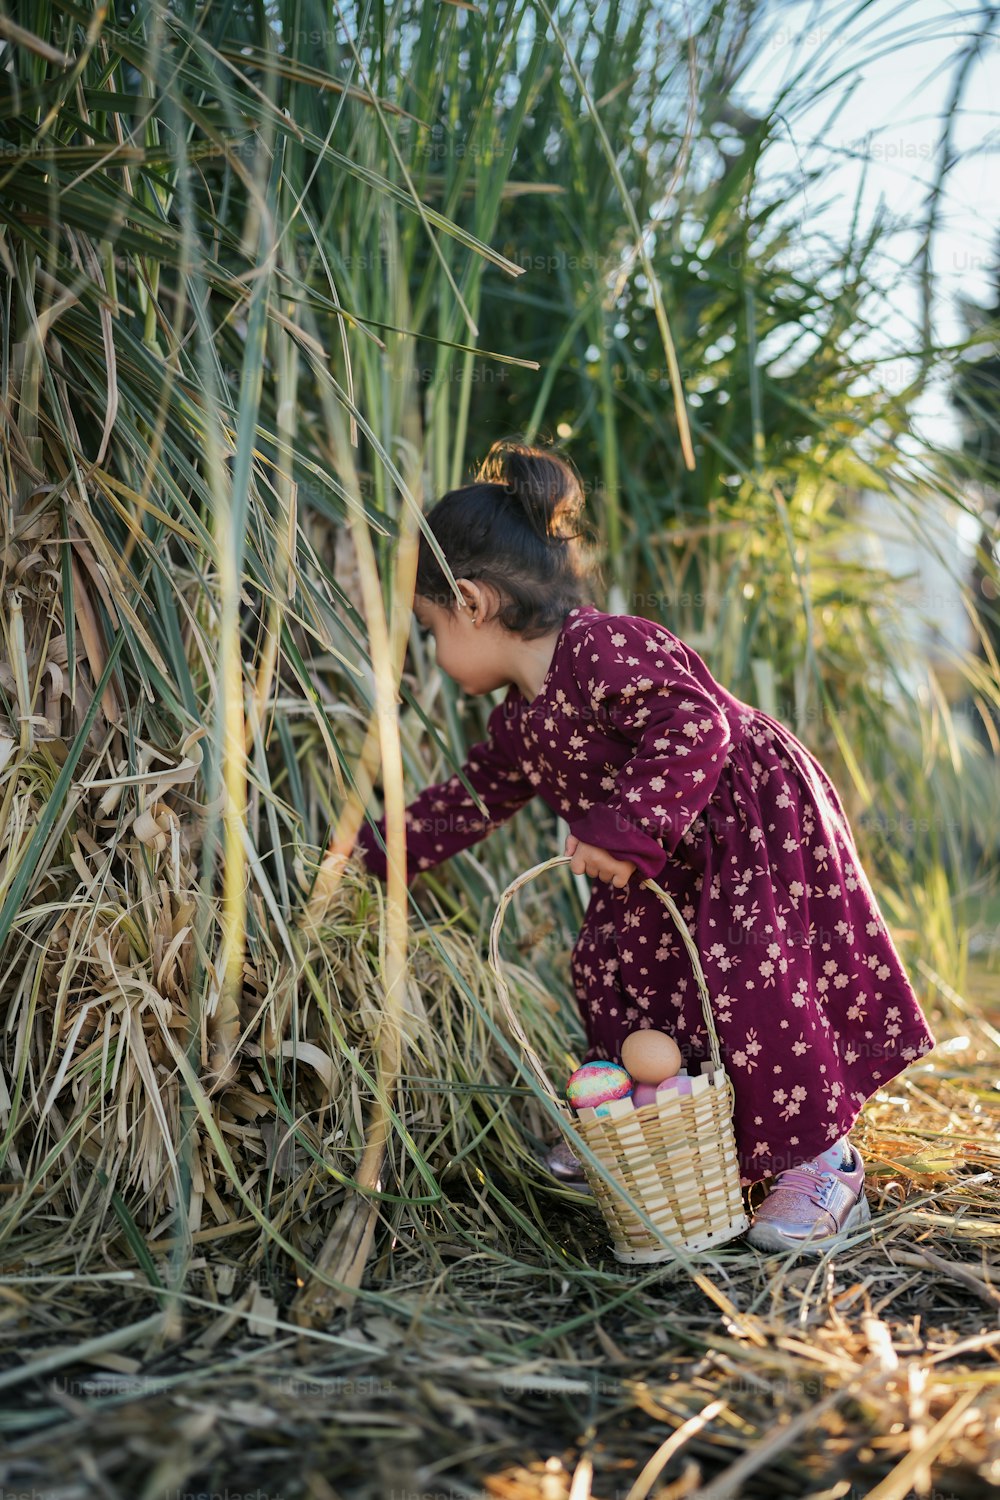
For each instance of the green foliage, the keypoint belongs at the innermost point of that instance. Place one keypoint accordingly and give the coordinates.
(264, 265)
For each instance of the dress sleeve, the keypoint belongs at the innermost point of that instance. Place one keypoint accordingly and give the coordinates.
(444, 819)
(642, 686)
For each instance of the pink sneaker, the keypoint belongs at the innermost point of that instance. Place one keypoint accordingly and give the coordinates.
(566, 1166)
(811, 1206)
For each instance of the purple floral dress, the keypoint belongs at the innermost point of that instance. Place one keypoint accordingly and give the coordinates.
(635, 744)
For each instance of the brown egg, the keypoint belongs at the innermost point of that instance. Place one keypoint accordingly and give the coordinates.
(650, 1056)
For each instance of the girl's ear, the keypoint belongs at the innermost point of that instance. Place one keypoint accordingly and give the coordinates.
(472, 595)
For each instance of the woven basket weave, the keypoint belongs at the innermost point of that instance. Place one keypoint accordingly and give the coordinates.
(676, 1157)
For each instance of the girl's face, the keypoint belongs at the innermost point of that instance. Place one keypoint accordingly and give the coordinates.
(470, 648)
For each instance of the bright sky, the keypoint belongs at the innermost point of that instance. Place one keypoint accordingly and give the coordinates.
(900, 62)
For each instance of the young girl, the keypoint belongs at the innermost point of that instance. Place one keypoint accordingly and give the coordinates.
(659, 771)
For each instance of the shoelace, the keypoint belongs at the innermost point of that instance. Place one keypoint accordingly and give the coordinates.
(809, 1180)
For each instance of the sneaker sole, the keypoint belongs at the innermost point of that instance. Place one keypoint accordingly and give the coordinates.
(764, 1236)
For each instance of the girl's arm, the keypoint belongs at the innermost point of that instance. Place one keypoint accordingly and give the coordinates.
(642, 686)
(443, 820)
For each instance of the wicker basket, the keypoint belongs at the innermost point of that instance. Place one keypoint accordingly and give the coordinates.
(676, 1157)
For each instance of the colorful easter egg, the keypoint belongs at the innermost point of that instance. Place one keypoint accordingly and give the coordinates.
(650, 1055)
(643, 1093)
(596, 1082)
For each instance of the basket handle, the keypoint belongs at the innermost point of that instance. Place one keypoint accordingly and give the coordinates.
(504, 993)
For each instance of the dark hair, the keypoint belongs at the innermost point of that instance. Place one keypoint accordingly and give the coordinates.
(517, 528)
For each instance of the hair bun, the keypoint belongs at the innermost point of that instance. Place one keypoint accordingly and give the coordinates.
(546, 487)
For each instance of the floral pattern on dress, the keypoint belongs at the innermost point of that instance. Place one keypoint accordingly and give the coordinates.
(636, 745)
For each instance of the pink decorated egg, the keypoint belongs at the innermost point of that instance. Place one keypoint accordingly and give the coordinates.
(645, 1093)
(596, 1082)
(680, 1084)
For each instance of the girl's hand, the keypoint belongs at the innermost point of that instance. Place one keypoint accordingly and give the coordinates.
(588, 859)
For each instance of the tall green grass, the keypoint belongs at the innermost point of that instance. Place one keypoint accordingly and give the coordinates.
(273, 279)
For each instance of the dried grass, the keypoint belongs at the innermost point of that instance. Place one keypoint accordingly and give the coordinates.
(496, 1348)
